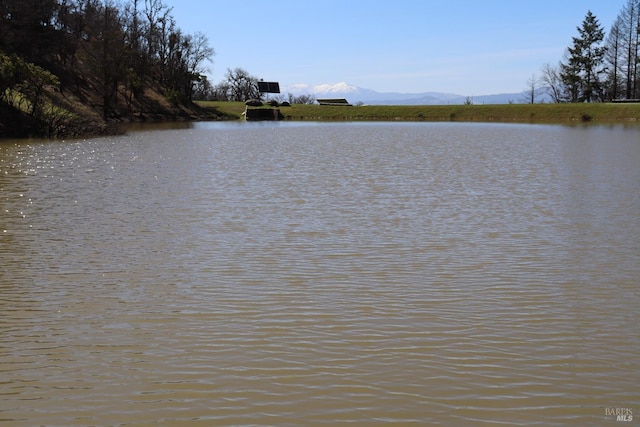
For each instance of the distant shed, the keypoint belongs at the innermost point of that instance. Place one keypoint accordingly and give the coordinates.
(334, 101)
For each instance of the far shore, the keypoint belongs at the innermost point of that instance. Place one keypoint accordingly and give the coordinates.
(601, 113)
(566, 113)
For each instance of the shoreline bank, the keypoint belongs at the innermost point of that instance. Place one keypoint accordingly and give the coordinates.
(601, 113)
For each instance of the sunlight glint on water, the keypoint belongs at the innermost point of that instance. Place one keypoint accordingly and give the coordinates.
(314, 274)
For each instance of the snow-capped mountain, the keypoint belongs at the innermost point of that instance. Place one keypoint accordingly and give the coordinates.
(356, 95)
(338, 90)
(324, 89)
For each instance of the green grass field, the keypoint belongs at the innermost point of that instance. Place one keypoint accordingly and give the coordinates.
(519, 113)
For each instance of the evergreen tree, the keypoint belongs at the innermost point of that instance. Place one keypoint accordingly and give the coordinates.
(570, 76)
(583, 68)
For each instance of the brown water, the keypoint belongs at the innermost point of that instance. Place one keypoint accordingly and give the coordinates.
(322, 274)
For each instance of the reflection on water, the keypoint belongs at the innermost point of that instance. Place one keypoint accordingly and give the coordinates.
(309, 274)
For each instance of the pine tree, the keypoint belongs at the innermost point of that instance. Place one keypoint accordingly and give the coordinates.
(582, 71)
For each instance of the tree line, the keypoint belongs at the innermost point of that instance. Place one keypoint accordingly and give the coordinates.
(597, 66)
(114, 49)
(240, 85)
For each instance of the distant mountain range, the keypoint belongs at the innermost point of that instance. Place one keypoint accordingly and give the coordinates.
(357, 95)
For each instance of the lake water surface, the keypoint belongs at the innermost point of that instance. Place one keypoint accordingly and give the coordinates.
(304, 274)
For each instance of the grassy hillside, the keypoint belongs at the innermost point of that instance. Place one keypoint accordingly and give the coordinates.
(75, 111)
(73, 108)
(72, 68)
(521, 113)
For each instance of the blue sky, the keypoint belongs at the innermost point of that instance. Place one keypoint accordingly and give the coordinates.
(468, 47)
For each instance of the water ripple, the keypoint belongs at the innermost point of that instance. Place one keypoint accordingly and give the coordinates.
(318, 274)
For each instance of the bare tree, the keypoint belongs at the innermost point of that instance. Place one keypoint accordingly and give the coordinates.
(221, 92)
(196, 51)
(203, 89)
(302, 99)
(158, 19)
(630, 43)
(242, 85)
(612, 57)
(104, 50)
(532, 87)
(552, 82)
